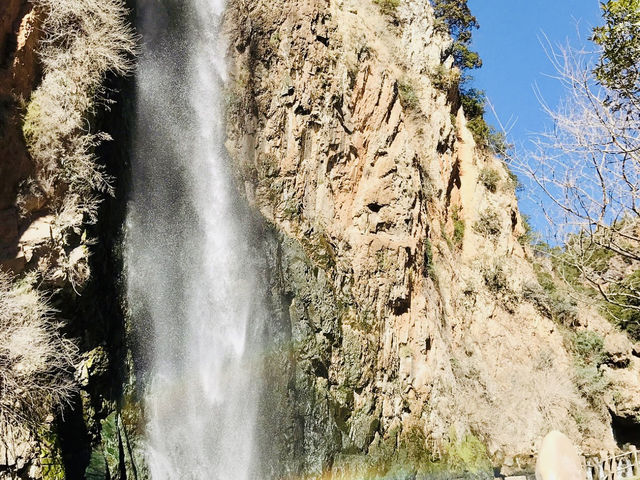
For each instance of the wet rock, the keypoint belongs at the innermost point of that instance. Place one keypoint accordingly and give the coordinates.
(94, 366)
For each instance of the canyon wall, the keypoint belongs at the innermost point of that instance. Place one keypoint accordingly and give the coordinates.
(412, 330)
(55, 249)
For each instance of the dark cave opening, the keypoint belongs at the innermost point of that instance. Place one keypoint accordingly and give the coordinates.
(625, 430)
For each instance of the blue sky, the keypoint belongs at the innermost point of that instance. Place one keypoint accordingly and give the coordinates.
(513, 59)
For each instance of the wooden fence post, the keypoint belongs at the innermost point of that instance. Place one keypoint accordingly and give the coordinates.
(607, 467)
(591, 470)
(635, 467)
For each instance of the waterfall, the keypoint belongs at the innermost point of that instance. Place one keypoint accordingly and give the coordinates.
(191, 282)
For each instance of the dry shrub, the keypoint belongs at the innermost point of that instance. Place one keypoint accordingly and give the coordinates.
(489, 223)
(490, 178)
(36, 361)
(84, 40)
(388, 7)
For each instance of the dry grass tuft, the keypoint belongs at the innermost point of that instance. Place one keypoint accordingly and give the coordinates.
(36, 361)
(84, 41)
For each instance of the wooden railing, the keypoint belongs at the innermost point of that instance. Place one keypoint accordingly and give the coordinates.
(617, 467)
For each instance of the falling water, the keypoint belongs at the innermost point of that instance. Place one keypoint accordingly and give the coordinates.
(190, 280)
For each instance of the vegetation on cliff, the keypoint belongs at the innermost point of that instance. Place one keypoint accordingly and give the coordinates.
(84, 41)
(456, 16)
(457, 20)
(36, 361)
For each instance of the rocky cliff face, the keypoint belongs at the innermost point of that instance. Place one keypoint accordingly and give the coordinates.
(412, 329)
(46, 241)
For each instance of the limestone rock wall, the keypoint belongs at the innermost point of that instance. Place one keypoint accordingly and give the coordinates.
(406, 332)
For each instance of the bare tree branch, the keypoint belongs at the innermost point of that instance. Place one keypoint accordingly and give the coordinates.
(586, 170)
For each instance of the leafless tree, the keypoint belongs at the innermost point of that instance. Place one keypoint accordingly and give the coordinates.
(587, 168)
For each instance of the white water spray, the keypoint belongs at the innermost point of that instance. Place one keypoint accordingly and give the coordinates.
(190, 279)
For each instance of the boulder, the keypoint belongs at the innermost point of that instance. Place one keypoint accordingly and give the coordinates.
(558, 459)
(618, 350)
